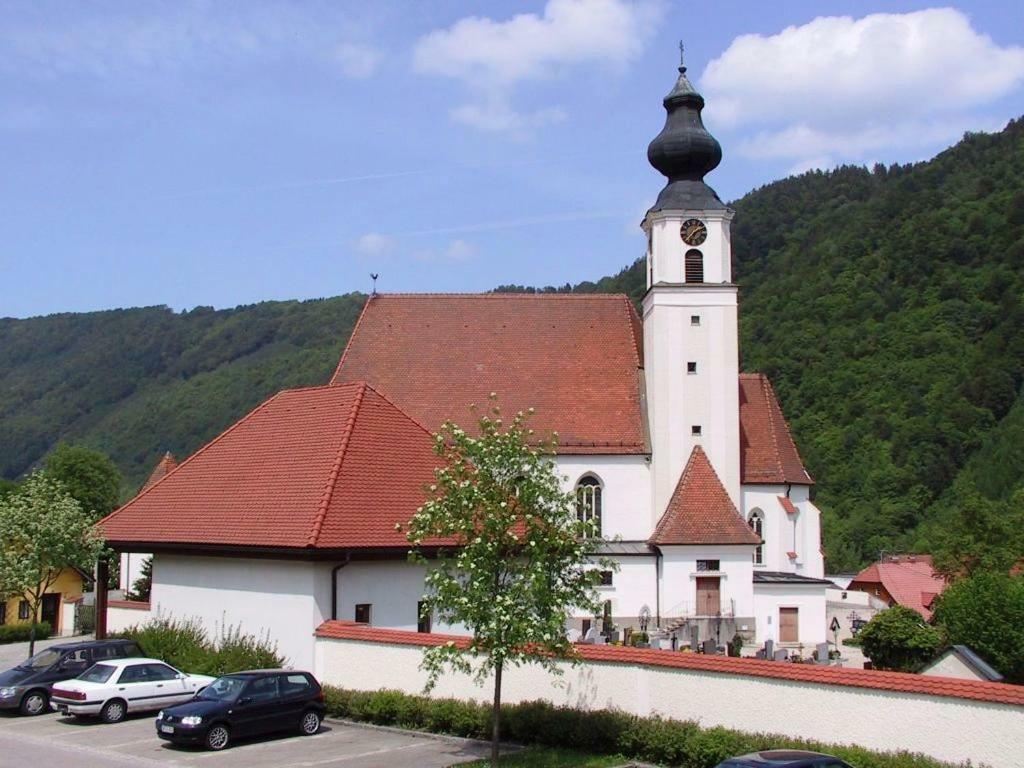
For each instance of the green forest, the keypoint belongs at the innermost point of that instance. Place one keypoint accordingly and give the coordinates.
(885, 305)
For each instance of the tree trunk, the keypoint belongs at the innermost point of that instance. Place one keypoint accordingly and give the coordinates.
(496, 715)
(32, 630)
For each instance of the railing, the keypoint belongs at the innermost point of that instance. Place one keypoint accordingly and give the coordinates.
(704, 608)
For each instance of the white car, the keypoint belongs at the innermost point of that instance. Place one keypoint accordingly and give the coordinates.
(113, 688)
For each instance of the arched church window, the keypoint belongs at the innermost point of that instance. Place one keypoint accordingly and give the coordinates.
(588, 500)
(757, 526)
(694, 266)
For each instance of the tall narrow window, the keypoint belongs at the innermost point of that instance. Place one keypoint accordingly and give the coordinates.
(3, 612)
(588, 500)
(423, 623)
(694, 266)
(24, 610)
(757, 526)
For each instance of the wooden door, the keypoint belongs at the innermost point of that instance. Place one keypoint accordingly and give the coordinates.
(50, 612)
(788, 625)
(709, 595)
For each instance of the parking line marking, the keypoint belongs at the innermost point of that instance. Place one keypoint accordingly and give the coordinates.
(381, 751)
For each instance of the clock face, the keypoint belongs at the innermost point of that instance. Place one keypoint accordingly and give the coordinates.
(693, 232)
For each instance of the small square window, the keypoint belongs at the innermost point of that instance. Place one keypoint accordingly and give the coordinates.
(363, 613)
(695, 430)
(694, 319)
(691, 367)
(606, 578)
(709, 565)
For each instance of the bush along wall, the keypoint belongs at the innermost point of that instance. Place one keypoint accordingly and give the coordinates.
(667, 742)
(187, 646)
(19, 633)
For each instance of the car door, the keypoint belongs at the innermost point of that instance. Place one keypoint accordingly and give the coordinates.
(135, 687)
(169, 685)
(72, 663)
(257, 707)
(296, 691)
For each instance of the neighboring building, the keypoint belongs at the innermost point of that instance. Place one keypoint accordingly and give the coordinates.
(961, 662)
(132, 562)
(907, 580)
(58, 606)
(288, 518)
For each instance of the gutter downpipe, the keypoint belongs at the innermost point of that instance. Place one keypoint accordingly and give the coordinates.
(334, 585)
(657, 587)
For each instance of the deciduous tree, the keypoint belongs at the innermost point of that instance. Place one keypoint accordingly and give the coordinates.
(43, 530)
(520, 560)
(899, 639)
(89, 476)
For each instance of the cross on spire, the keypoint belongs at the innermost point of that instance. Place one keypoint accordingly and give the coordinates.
(682, 66)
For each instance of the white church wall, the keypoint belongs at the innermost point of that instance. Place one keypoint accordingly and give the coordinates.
(281, 599)
(783, 533)
(679, 578)
(809, 600)
(625, 491)
(634, 586)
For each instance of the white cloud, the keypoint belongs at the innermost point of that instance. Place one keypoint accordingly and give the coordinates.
(357, 60)
(491, 58)
(375, 245)
(839, 88)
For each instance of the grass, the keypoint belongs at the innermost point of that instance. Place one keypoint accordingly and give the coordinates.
(553, 758)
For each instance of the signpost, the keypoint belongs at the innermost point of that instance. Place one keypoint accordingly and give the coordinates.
(835, 631)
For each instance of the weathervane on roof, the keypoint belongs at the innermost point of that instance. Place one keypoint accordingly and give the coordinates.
(682, 66)
(374, 278)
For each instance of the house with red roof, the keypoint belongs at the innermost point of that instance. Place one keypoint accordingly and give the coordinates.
(907, 580)
(288, 519)
(132, 562)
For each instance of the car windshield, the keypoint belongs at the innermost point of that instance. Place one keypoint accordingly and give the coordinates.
(41, 660)
(97, 673)
(223, 689)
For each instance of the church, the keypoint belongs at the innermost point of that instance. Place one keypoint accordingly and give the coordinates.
(288, 519)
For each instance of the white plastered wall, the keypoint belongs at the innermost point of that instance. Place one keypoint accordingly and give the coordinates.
(285, 600)
(808, 599)
(945, 728)
(679, 577)
(119, 619)
(784, 533)
(634, 586)
(625, 497)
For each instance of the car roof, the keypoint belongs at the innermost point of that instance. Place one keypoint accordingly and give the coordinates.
(88, 644)
(131, 661)
(263, 672)
(781, 757)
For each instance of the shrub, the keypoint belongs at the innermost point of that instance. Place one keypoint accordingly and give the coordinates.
(986, 613)
(898, 639)
(654, 739)
(183, 643)
(19, 633)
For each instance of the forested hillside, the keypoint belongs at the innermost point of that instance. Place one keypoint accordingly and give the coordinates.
(886, 306)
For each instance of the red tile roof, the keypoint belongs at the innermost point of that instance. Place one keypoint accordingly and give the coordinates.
(767, 451)
(909, 579)
(700, 510)
(323, 467)
(162, 468)
(788, 505)
(1000, 693)
(135, 605)
(574, 358)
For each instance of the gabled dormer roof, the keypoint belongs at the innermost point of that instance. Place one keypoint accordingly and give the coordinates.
(700, 510)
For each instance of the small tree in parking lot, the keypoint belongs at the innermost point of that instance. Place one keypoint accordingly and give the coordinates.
(518, 561)
(43, 530)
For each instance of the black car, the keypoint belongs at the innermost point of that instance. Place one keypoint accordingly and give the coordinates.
(783, 758)
(26, 687)
(245, 704)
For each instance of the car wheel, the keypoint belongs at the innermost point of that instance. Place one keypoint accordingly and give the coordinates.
(35, 703)
(113, 711)
(217, 737)
(310, 723)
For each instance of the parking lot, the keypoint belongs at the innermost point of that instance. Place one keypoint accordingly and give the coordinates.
(51, 740)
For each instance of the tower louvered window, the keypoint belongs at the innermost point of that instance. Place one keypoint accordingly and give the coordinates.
(694, 266)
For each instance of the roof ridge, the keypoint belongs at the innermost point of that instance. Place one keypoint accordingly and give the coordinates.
(766, 387)
(630, 312)
(332, 478)
(217, 439)
(397, 407)
(352, 335)
(502, 295)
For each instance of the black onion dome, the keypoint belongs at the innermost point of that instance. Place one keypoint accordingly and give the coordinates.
(684, 152)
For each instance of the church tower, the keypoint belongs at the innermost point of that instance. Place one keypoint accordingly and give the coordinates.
(691, 355)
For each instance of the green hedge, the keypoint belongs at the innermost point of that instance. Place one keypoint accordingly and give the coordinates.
(19, 633)
(669, 742)
(186, 645)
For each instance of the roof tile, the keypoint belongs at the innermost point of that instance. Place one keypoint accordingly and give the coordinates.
(767, 451)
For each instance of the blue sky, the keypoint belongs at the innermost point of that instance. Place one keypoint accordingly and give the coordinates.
(218, 153)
